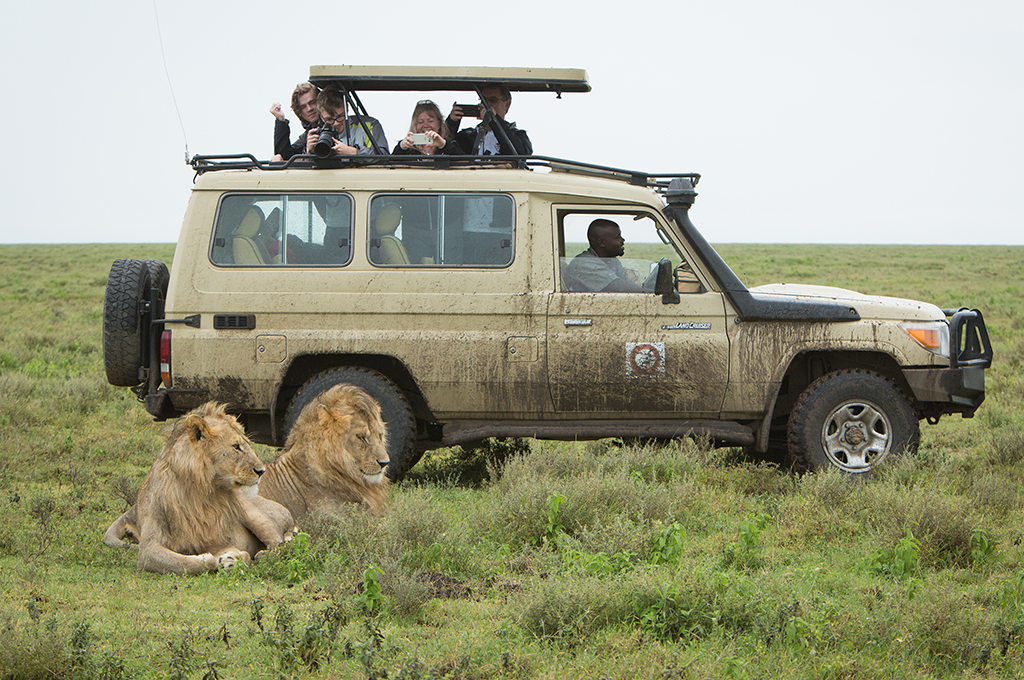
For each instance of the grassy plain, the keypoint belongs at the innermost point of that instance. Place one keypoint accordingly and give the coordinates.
(577, 560)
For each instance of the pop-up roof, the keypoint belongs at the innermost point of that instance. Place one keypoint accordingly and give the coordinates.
(451, 78)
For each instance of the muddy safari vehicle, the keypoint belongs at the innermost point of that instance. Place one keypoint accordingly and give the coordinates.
(446, 287)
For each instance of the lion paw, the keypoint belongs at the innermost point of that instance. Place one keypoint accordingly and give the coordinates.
(291, 534)
(230, 559)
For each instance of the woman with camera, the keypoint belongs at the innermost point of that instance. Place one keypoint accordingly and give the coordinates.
(428, 133)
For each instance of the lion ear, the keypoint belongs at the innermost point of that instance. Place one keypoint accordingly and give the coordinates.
(197, 429)
(329, 418)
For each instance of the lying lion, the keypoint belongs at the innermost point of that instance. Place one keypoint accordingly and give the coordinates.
(197, 508)
(335, 455)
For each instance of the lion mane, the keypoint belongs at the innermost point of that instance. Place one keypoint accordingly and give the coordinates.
(197, 509)
(335, 455)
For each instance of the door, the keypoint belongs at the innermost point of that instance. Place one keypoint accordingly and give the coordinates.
(629, 353)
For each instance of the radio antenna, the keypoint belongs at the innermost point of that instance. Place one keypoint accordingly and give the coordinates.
(169, 85)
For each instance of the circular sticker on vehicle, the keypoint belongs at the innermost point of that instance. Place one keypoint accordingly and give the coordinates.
(645, 359)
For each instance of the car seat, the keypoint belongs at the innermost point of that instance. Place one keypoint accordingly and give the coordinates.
(391, 249)
(247, 249)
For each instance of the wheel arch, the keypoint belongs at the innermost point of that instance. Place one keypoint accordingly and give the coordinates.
(806, 367)
(304, 367)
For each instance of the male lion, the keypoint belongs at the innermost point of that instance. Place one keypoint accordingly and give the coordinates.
(197, 508)
(335, 455)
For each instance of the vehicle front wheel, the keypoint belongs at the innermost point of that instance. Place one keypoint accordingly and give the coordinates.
(851, 420)
(394, 409)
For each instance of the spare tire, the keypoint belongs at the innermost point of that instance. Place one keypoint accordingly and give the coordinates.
(159, 276)
(127, 288)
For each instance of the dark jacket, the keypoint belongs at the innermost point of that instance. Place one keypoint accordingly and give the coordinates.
(472, 139)
(282, 134)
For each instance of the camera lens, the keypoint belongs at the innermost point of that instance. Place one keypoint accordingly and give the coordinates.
(324, 146)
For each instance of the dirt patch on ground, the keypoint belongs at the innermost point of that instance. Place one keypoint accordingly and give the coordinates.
(445, 587)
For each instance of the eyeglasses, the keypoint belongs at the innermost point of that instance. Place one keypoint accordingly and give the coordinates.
(494, 100)
(424, 102)
(331, 120)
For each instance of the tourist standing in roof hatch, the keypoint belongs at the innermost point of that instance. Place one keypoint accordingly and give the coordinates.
(304, 106)
(427, 121)
(482, 140)
(353, 135)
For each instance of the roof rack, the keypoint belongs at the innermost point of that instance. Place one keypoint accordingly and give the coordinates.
(659, 182)
(454, 78)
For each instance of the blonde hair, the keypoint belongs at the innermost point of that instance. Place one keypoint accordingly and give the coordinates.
(301, 89)
(431, 108)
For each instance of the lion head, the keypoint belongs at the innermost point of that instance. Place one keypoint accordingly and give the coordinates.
(209, 448)
(344, 427)
(336, 453)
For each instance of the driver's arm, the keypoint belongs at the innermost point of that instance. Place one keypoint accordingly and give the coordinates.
(622, 286)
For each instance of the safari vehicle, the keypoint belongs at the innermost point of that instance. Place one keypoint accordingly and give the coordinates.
(439, 284)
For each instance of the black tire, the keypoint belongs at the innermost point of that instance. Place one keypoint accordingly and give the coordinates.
(127, 287)
(159, 276)
(851, 420)
(394, 407)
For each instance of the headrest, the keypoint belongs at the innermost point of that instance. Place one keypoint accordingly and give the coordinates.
(388, 219)
(271, 224)
(251, 224)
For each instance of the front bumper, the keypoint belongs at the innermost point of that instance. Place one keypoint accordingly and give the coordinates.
(947, 390)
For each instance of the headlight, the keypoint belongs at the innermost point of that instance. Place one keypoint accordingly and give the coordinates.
(932, 335)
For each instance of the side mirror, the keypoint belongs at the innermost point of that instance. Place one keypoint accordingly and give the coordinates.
(665, 284)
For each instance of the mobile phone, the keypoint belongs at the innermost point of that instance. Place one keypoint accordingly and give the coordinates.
(418, 138)
(470, 110)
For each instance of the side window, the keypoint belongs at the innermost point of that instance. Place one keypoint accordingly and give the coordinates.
(623, 257)
(283, 230)
(442, 230)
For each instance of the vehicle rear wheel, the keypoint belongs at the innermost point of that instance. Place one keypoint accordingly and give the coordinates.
(851, 420)
(394, 407)
(128, 286)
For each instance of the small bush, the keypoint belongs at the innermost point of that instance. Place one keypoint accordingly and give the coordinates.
(951, 628)
(996, 493)
(829, 488)
(1007, 446)
(746, 551)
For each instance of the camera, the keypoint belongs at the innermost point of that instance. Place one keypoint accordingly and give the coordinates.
(418, 138)
(324, 146)
(470, 110)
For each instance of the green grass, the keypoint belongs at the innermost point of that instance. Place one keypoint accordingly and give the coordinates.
(575, 560)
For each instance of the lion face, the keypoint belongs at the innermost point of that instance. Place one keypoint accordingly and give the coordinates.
(227, 451)
(368, 447)
(341, 433)
(235, 464)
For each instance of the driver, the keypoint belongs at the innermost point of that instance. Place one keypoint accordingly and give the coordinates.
(596, 270)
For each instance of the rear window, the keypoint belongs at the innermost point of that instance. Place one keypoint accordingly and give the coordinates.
(281, 230)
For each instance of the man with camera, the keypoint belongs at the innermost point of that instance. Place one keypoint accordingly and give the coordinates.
(483, 139)
(344, 135)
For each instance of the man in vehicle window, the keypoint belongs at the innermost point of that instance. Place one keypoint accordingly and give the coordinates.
(304, 106)
(354, 135)
(596, 270)
(482, 139)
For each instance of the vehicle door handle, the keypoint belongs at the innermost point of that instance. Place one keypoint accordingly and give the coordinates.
(578, 322)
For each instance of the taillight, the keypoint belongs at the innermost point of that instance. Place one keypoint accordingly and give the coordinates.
(165, 358)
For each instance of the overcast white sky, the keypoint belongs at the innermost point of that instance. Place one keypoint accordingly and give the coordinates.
(811, 121)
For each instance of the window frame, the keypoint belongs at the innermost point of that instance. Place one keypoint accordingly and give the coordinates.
(281, 198)
(436, 194)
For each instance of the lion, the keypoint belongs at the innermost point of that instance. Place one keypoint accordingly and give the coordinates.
(198, 508)
(335, 455)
